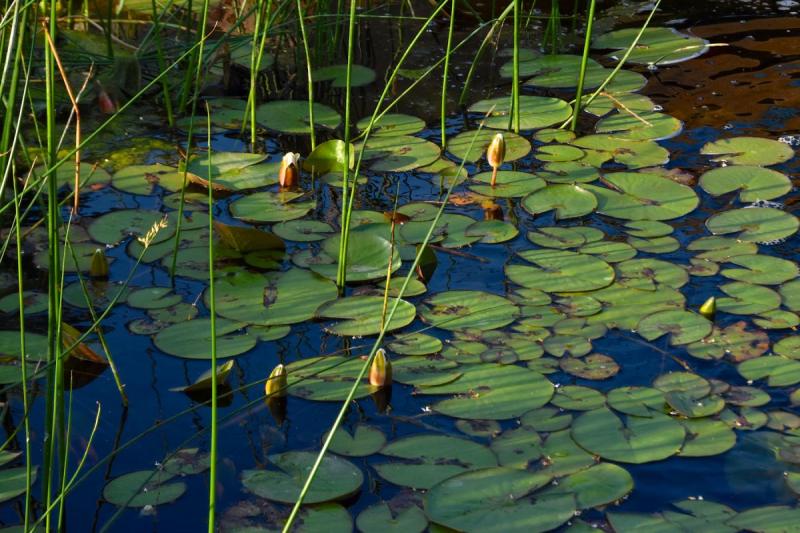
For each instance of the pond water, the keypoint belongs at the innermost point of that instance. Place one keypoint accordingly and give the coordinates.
(578, 371)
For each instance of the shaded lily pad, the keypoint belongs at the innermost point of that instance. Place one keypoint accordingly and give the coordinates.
(271, 206)
(337, 74)
(749, 151)
(382, 517)
(517, 447)
(191, 340)
(432, 459)
(637, 401)
(143, 488)
(291, 116)
(597, 485)
(365, 440)
(142, 179)
(336, 478)
(578, 398)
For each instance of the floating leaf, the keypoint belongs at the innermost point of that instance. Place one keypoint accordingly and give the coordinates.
(143, 488)
(330, 157)
(683, 327)
(597, 485)
(382, 518)
(706, 437)
(204, 382)
(754, 183)
(393, 124)
(362, 315)
(13, 482)
(460, 310)
(291, 116)
(191, 340)
(509, 184)
(568, 201)
(534, 112)
(636, 440)
(517, 447)
(641, 196)
(368, 257)
(780, 371)
(271, 207)
(142, 179)
(336, 478)
(660, 46)
(648, 274)
(479, 140)
(398, 153)
(637, 401)
(643, 126)
(433, 458)
(359, 76)
(596, 366)
(756, 224)
(303, 230)
(561, 271)
(761, 269)
(749, 151)
(365, 440)
(747, 299)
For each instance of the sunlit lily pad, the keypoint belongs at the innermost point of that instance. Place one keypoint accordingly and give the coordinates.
(749, 151)
(492, 231)
(362, 315)
(596, 366)
(632, 153)
(363, 441)
(192, 339)
(517, 447)
(383, 518)
(767, 519)
(779, 371)
(568, 201)
(753, 182)
(559, 153)
(534, 112)
(578, 398)
(303, 230)
(642, 196)
(755, 224)
(509, 184)
(623, 306)
(561, 271)
(415, 344)
(683, 327)
(609, 251)
(393, 124)
(761, 269)
(597, 485)
(557, 237)
(336, 478)
(660, 46)
(291, 116)
(498, 500)
(271, 206)
(747, 299)
(636, 440)
(459, 146)
(643, 126)
(425, 371)
(546, 419)
(368, 257)
(433, 458)
(637, 401)
(398, 153)
(460, 310)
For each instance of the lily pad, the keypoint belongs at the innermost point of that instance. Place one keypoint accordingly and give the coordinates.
(364, 440)
(636, 440)
(383, 518)
(432, 459)
(597, 485)
(561, 271)
(398, 153)
(753, 182)
(568, 201)
(336, 478)
(756, 224)
(461, 310)
(644, 126)
(271, 206)
(415, 344)
(779, 371)
(683, 327)
(660, 46)
(303, 230)
(143, 488)
(337, 74)
(596, 366)
(534, 112)
(747, 299)
(637, 401)
(509, 184)
(642, 196)
(761, 269)
(362, 315)
(479, 140)
(393, 124)
(143, 179)
(191, 340)
(749, 151)
(291, 116)
(368, 257)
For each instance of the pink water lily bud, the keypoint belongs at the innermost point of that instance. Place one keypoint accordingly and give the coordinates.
(289, 173)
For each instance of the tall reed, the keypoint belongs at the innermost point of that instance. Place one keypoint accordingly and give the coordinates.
(445, 71)
(587, 44)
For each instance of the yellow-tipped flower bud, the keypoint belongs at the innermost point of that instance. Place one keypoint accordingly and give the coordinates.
(276, 384)
(289, 173)
(380, 373)
(99, 267)
(496, 154)
(709, 308)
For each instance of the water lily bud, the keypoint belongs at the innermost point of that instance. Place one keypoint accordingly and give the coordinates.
(709, 308)
(105, 103)
(99, 267)
(496, 154)
(289, 173)
(380, 373)
(276, 384)
(493, 211)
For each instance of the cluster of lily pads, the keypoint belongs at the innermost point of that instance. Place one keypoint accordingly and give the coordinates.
(533, 448)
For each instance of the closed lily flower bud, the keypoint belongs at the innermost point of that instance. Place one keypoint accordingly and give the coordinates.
(276, 384)
(289, 173)
(105, 103)
(380, 373)
(496, 154)
(709, 308)
(99, 267)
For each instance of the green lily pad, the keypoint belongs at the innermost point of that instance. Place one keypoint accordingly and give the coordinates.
(398, 153)
(365, 440)
(561, 271)
(606, 103)
(557, 237)
(153, 298)
(273, 298)
(191, 340)
(91, 176)
(459, 146)
(142, 179)
(779, 371)
(749, 151)
(492, 231)
(509, 184)
(291, 116)
(721, 249)
(642, 196)
(415, 344)
(683, 327)
(461, 310)
(13, 482)
(753, 182)
(685, 404)
(393, 124)
(644, 126)
(777, 319)
(534, 112)
(647, 229)
(568, 201)
(368, 257)
(425, 371)
(302, 230)
(189, 461)
(517, 447)
(761, 269)
(622, 306)
(597, 485)
(755, 224)
(362, 315)
(692, 385)
(325, 379)
(337, 74)
(432, 459)
(498, 500)
(570, 172)
(767, 519)
(648, 274)
(547, 419)
(383, 517)
(143, 488)
(578, 398)
(632, 153)
(114, 227)
(660, 46)
(479, 428)
(636, 440)
(561, 456)
(336, 478)
(271, 206)
(735, 341)
(559, 153)
(788, 347)
(747, 299)
(596, 366)
(636, 401)
(492, 392)
(706, 437)
(658, 245)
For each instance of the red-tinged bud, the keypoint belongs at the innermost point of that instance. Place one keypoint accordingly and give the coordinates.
(289, 173)
(380, 373)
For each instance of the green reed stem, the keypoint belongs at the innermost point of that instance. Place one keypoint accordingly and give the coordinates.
(443, 109)
(256, 54)
(308, 74)
(362, 372)
(165, 91)
(587, 44)
(462, 99)
(341, 270)
(515, 80)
